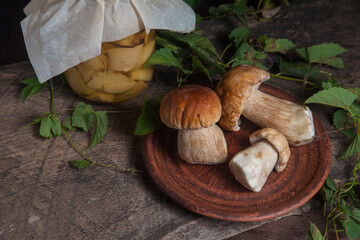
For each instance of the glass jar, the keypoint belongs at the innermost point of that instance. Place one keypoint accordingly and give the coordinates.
(118, 73)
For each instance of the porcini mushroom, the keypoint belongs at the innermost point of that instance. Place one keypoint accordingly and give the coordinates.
(252, 166)
(239, 94)
(194, 110)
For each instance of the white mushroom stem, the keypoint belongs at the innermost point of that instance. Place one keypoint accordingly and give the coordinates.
(202, 146)
(294, 121)
(252, 166)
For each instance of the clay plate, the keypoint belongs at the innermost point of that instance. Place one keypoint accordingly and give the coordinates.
(213, 191)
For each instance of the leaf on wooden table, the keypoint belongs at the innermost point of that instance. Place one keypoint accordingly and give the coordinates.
(100, 126)
(83, 116)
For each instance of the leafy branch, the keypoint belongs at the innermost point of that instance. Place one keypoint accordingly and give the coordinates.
(83, 118)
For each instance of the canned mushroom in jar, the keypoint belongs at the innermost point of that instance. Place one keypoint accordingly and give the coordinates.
(118, 74)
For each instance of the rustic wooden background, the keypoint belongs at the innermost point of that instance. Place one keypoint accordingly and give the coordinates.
(42, 197)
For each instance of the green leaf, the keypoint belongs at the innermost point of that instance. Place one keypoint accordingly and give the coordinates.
(343, 121)
(193, 3)
(200, 41)
(164, 43)
(330, 183)
(207, 60)
(80, 163)
(33, 87)
(262, 40)
(328, 189)
(278, 45)
(334, 62)
(246, 54)
(164, 57)
(238, 9)
(298, 69)
(45, 127)
(239, 35)
(326, 85)
(68, 125)
(335, 97)
(355, 109)
(355, 91)
(352, 229)
(323, 52)
(314, 233)
(56, 126)
(355, 213)
(83, 116)
(302, 53)
(198, 66)
(100, 126)
(149, 119)
(353, 148)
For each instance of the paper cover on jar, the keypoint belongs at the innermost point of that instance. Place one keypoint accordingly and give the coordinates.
(60, 34)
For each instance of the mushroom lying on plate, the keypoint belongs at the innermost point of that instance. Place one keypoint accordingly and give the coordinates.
(194, 110)
(239, 94)
(252, 166)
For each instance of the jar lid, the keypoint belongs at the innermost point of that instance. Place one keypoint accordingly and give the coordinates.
(60, 34)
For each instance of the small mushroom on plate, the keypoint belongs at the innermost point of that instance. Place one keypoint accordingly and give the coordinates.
(239, 94)
(194, 110)
(252, 166)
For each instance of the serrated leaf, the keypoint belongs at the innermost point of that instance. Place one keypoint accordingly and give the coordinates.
(314, 233)
(100, 126)
(56, 126)
(355, 91)
(355, 213)
(302, 53)
(33, 87)
(149, 119)
(239, 35)
(198, 66)
(298, 69)
(353, 148)
(335, 97)
(164, 57)
(164, 43)
(355, 109)
(278, 45)
(322, 52)
(238, 9)
(68, 125)
(334, 62)
(207, 60)
(330, 183)
(326, 85)
(45, 127)
(344, 122)
(80, 163)
(328, 189)
(83, 116)
(352, 229)
(246, 54)
(200, 41)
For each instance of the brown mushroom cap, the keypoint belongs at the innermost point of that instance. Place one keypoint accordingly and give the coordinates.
(234, 89)
(278, 141)
(190, 107)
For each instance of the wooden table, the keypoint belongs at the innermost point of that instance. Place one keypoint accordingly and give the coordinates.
(42, 197)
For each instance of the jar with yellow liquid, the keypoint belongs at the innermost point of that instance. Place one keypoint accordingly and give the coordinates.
(118, 74)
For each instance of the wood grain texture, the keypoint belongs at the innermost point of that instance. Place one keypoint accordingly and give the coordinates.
(212, 190)
(42, 197)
